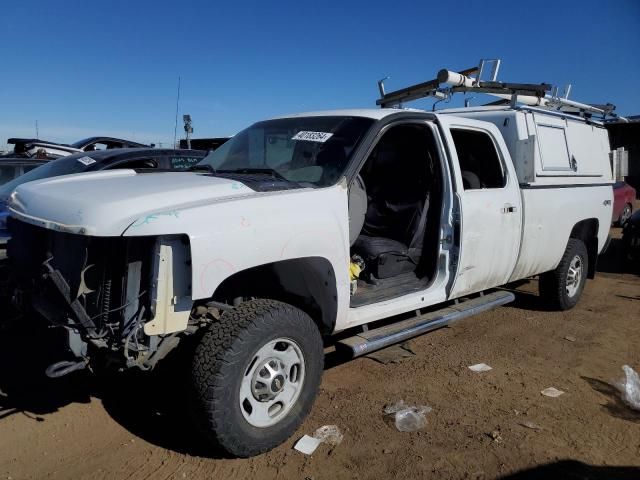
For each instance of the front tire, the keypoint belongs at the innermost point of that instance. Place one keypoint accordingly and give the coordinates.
(256, 374)
(561, 288)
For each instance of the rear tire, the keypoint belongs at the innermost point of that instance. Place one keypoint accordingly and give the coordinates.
(561, 288)
(625, 215)
(255, 377)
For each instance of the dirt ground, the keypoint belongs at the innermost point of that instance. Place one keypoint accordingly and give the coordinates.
(136, 427)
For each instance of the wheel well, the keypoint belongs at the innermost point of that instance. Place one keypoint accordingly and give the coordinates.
(587, 231)
(306, 283)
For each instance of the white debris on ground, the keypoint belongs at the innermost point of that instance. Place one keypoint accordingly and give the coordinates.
(480, 367)
(307, 445)
(329, 434)
(551, 392)
(629, 387)
(408, 418)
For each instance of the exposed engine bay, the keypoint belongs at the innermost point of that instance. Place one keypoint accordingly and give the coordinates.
(124, 301)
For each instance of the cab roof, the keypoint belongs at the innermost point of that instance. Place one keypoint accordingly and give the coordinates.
(374, 113)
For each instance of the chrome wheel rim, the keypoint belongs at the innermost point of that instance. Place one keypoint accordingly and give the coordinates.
(626, 213)
(574, 275)
(272, 382)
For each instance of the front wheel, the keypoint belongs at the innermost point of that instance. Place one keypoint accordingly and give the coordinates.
(561, 288)
(255, 375)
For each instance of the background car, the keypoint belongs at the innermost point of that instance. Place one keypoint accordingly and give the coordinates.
(11, 168)
(136, 158)
(33, 147)
(631, 240)
(623, 198)
(204, 143)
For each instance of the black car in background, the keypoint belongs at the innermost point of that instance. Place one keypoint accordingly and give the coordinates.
(135, 158)
(631, 241)
(43, 149)
(11, 168)
(205, 143)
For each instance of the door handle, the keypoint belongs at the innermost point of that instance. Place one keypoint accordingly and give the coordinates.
(509, 208)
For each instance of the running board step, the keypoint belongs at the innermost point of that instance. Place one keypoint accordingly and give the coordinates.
(371, 340)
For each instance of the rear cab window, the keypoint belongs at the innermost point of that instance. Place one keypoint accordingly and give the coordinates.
(480, 163)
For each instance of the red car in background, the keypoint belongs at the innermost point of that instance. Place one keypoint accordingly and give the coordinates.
(623, 198)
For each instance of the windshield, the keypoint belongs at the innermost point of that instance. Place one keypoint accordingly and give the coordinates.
(54, 168)
(312, 151)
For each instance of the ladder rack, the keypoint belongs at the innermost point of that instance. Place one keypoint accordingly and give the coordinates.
(448, 82)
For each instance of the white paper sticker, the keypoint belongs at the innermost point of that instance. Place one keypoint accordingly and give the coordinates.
(86, 161)
(312, 136)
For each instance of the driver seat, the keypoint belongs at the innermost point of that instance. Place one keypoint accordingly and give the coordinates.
(392, 237)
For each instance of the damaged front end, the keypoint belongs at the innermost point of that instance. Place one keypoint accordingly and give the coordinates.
(123, 301)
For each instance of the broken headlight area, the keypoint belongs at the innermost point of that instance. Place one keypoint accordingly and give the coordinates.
(123, 301)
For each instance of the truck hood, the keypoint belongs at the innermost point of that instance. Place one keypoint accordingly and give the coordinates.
(106, 203)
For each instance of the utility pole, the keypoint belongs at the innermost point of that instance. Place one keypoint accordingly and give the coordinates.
(188, 129)
(175, 128)
(37, 131)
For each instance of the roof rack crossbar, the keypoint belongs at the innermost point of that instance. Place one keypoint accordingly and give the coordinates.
(416, 92)
(448, 82)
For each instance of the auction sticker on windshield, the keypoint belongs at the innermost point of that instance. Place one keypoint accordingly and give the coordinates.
(312, 136)
(86, 161)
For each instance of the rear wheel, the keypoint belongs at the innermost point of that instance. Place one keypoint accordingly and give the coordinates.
(625, 214)
(562, 287)
(255, 375)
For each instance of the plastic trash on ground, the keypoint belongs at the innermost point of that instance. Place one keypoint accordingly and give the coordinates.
(629, 387)
(329, 434)
(408, 418)
(480, 367)
(551, 392)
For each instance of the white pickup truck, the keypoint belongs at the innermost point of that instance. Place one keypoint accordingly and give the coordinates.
(381, 224)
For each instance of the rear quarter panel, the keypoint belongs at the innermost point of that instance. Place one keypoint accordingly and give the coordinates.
(549, 216)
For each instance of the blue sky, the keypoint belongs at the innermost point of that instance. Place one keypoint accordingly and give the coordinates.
(84, 68)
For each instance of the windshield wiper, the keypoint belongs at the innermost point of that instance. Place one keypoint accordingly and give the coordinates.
(263, 170)
(204, 167)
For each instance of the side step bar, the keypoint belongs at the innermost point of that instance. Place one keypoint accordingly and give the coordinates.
(371, 340)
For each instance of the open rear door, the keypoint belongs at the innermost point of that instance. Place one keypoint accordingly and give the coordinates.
(490, 205)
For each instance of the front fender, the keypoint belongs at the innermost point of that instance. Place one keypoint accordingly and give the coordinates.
(229, 237)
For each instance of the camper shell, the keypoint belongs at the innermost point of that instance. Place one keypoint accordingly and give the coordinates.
(547, 147)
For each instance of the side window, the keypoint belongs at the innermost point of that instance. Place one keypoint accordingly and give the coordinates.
(96, 147)
(8, 173)
(553, 147)
(182, 163)
(28, 168)
(480, 163)
(136, 163)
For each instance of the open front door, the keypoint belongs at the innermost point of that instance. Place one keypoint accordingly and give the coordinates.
(490, 206)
